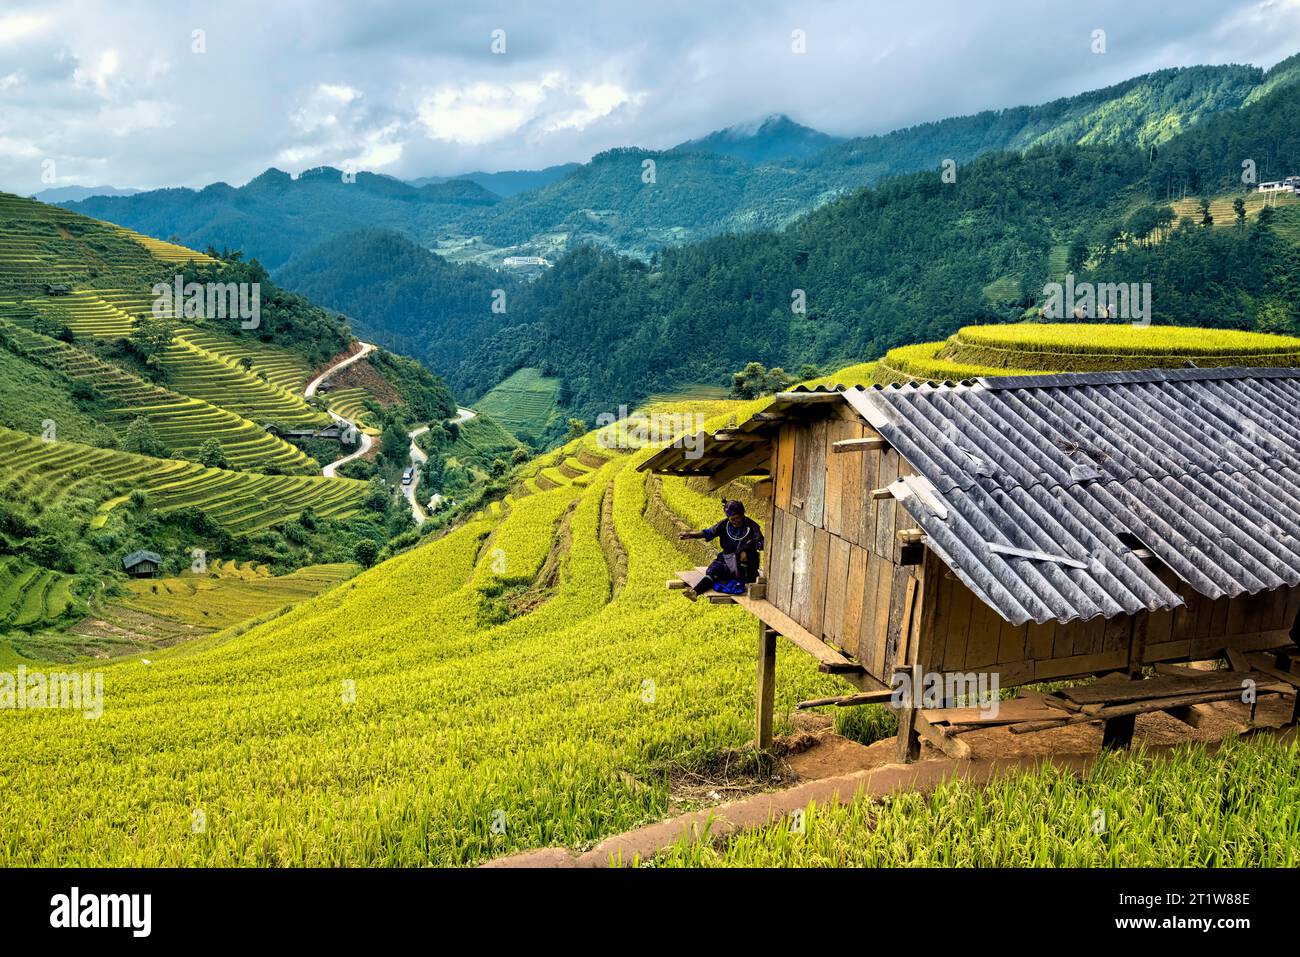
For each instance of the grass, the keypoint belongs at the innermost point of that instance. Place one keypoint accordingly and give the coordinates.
(1194, 809)
(525, 403)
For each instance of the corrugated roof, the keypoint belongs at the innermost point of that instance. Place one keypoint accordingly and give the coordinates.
(1199, 466)
(1039, 487)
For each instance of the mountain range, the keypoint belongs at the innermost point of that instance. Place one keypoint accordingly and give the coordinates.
(637, 201)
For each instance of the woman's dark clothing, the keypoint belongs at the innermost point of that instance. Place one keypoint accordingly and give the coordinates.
(728, 566)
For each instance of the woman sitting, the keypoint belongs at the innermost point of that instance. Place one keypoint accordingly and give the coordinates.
(740, 539)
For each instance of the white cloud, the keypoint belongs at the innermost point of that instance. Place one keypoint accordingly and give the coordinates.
(480, 113)
(20, 26)
(411, 87)
(105, 68)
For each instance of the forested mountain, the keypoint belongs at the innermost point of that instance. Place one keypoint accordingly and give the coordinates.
(915, 258)
(770, 140)
(638, 201)
(402, 296)
(506, 182)
(70, 194)
(275, 215)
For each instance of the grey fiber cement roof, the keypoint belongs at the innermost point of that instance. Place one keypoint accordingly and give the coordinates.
(1026, 484)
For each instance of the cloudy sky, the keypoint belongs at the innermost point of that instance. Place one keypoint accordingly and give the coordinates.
(179, 93)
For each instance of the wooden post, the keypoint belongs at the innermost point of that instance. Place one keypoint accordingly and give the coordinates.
(1117, 733)
(909, 740)
(766, 696)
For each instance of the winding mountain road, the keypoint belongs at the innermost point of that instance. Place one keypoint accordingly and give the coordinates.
(366, 442)
(418, 458)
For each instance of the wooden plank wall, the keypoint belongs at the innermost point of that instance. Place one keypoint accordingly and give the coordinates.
(970, 637)
(832, 551)
(833, 566)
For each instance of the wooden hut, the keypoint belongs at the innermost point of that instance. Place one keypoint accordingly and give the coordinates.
(1034, 528)
(142, 564)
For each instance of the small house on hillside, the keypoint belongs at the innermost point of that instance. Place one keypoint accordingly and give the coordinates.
(1031, 528)
(57, 289)
(142, 564)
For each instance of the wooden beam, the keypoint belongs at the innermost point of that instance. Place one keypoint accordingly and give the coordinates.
(742, 466)
(791, 629)
(859, 445)
(848, 668)
(766, 692)
(851, 700)
(877, 494)
(954, 747)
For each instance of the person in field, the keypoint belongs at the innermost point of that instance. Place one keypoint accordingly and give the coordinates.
(741, 540)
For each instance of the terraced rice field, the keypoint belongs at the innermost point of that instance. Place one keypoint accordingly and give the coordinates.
(183, 424)
(508, 686)
(524, 403)
(227, 596)
(31, 596)
(42, 244)
(220, 380)
(1221, 206)
(350, 403)
(87, 314)
(165, 251)
(47, 472)
(1029, 348)
(282, 368)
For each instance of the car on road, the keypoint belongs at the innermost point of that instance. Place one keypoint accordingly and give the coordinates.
(408, 476)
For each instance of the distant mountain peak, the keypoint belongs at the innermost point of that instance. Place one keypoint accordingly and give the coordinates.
(769, 139)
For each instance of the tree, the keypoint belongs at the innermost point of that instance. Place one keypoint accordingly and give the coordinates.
(1077, 257)
(150, 336)
(499, 467)
(141, 439)
(577, 429)
(365, 551)
(212, 455)
(377, 495)
(55, 324)
(1239, 207)
(395, 443)
(519, 456)
(1206, 218)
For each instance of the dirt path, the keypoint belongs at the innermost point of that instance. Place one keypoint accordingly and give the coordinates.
(845, 771)
(314, 384)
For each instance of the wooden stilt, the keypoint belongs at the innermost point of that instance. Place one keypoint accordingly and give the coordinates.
(1117, 733)
(766, 696)
(909, 739)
